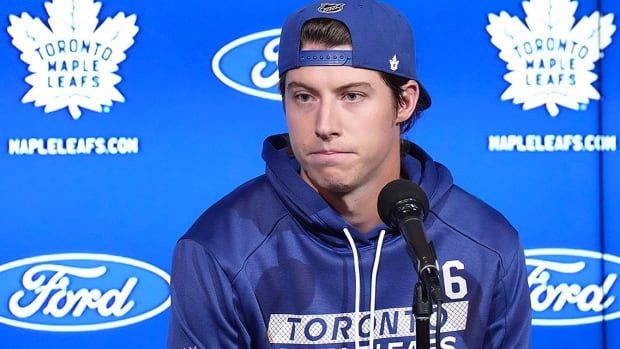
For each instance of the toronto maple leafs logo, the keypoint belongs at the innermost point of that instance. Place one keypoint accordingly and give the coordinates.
(73, 61)
(394, 63)
(550, 58)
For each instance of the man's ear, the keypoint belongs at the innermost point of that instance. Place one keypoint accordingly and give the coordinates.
(410, 95)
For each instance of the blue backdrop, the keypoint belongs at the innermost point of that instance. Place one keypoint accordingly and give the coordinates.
(118, 134)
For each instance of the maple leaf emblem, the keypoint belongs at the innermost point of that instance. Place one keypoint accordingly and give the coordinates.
(73, 61)
(394, 63)
(550, 60)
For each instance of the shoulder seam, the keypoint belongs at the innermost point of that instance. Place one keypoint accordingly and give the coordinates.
(219, 266)
(267, 236)
(215, 259)
(505, 294)
(501, 261)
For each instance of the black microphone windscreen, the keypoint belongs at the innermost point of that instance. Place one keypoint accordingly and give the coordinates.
(396, 191)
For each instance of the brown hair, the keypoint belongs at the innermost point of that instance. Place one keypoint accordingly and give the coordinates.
(331, 33)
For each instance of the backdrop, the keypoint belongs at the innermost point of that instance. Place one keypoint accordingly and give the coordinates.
(123, 121)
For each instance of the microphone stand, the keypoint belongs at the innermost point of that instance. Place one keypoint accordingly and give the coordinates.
(408, 215)
(427, 290)
(422, 310)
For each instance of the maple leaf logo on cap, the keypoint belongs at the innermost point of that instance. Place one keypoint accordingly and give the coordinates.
(394, 63)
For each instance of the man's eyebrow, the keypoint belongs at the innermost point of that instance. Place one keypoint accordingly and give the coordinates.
(354, 85)
(293, 84)
(339, 89)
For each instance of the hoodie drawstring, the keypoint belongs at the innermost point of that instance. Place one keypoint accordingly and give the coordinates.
(356, 264)
(373, 286)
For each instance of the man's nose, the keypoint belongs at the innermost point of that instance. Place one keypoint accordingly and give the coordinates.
(327, 121)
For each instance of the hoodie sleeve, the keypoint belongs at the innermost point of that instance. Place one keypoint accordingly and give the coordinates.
(202, 311)
(511, 320)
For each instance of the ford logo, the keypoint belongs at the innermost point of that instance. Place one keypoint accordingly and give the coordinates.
(572, 287)
(250, 64)
(75, 292)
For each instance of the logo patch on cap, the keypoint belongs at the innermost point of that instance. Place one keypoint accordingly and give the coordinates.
(394, 63)
(331, 8)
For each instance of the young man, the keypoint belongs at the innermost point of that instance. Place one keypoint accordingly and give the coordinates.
(275, 264)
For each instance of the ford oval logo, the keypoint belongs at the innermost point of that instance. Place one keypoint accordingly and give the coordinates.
(572, 287)
(75, 292)
(250, 64)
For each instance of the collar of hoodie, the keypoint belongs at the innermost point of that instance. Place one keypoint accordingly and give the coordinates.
(318, 217)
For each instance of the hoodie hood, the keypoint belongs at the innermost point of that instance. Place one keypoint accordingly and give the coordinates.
(309, 208)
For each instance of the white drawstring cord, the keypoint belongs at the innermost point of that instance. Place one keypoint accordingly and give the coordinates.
(356, 264)
(373, 288)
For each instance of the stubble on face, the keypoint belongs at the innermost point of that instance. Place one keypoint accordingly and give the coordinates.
(330, 183)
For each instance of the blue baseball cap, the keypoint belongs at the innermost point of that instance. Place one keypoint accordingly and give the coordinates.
(381, 37)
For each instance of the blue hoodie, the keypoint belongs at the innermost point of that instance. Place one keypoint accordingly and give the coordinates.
(272, 265)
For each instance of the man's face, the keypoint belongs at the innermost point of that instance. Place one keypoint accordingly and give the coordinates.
(343, 128)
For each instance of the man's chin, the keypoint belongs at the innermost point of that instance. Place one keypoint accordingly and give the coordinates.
(332, 185)
(338, 188)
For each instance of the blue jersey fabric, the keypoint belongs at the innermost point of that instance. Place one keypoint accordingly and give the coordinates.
(269, 266)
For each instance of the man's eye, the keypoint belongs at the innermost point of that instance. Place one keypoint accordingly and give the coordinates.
(352, 97)
(303, 97)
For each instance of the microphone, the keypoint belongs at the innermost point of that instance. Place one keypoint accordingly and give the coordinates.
(403, 205)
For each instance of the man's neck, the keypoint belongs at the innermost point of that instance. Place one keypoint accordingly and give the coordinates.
(359, 206)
